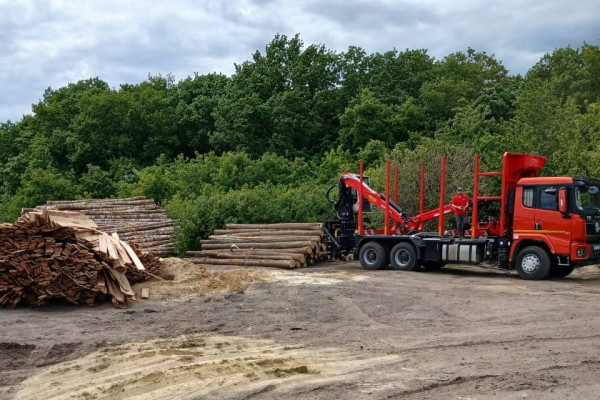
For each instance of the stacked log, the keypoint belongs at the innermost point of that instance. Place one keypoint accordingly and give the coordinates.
(62, 255)
(284, 245)
(137, 220)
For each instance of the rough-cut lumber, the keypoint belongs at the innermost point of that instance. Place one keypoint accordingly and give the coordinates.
(136, 261)
(61, 254)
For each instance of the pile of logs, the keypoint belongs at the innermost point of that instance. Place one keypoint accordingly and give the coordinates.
(286, 245)
(63, 255)
(137, 220)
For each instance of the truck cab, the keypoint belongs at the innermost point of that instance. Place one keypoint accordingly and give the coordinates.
(559, 216)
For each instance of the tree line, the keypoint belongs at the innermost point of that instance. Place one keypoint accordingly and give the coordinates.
(264, 144)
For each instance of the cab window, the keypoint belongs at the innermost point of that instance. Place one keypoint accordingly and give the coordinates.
(528, 197)
(549, 199)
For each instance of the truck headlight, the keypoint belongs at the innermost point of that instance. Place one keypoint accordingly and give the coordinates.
(580, 253)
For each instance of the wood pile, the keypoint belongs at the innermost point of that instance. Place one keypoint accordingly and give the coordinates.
(137, 220)
(285, 245)
(63, 255)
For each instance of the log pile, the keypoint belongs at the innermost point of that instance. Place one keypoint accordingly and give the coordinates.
(62, 255)
(137, 220)
(286, 245)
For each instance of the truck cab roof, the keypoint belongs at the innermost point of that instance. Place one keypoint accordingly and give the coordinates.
(547, 180)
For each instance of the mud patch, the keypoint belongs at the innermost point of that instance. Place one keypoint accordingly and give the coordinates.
(191, 366)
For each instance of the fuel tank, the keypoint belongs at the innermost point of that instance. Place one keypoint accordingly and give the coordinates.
(463, 252)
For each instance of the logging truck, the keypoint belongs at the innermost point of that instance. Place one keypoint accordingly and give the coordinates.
(542, 226)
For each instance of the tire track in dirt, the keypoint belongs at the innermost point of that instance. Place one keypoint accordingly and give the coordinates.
(501, 342)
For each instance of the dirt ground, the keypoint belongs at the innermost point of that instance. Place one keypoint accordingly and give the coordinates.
(332, 331)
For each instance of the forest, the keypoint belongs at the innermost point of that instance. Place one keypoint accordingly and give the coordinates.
(264, 144)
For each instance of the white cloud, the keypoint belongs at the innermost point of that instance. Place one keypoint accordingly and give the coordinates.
(51, 43)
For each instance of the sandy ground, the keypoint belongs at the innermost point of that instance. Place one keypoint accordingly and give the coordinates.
(332, 331)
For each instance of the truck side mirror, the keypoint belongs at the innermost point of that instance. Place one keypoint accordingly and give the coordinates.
(562, 200)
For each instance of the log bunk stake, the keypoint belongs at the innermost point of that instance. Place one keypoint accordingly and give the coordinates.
(285, 245)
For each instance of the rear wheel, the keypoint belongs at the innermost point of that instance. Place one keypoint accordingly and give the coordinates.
(372, 256)
(404, 257)
(533, 262)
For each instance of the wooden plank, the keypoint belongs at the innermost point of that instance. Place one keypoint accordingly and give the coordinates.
(136, 261)
(110, 246)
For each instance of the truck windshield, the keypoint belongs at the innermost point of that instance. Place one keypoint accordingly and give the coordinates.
(587, 199)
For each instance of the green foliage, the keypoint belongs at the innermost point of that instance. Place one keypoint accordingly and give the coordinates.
(264, 203)
(368, 118)
(96, 183)
(37, 187)
(397, 76)
(281, 102)
(374, 153)
(264, 144)
(459, 79)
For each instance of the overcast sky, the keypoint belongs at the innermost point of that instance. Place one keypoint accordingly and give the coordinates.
(52, 43)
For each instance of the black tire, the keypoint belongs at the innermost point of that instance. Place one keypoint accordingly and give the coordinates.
(404, 257)
(533, 263)
(373, 256)
(560, 271)
(433, 265)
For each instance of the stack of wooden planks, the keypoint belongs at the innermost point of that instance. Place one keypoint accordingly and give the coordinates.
(284, 245)
(137, 220)
(63, 255)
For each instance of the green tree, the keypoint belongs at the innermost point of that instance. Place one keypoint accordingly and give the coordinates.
(368, 118)
(459, 79)
(37, 187)
(198, 98)
(572, 73)
(279, 101)
(97, 184)
(395, 76)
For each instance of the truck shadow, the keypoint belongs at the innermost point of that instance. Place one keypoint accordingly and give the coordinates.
(583, 275)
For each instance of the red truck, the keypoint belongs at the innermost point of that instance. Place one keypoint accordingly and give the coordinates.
(543, 226)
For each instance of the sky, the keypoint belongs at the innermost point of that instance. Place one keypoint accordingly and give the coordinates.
(51, 43)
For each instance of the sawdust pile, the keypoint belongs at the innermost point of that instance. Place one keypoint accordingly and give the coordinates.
(193, 366)
(183, 280)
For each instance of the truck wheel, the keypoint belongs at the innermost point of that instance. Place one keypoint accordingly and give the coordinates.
(560, 271)
(533, 262)
(404, 257)
(372, 256)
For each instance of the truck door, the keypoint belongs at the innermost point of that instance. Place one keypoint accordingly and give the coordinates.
(550, 225)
